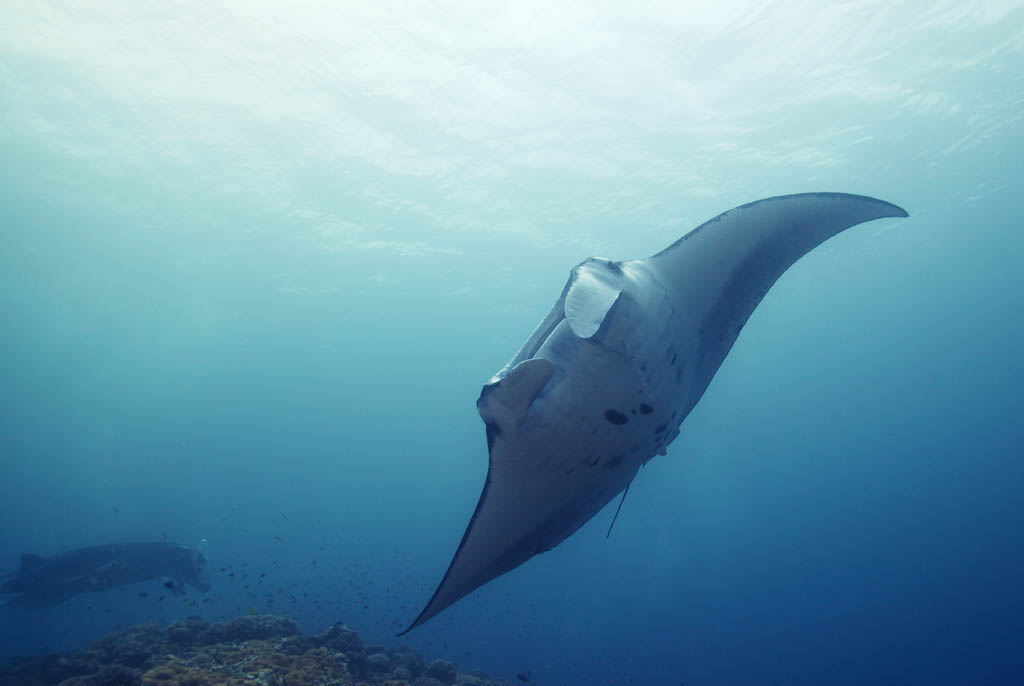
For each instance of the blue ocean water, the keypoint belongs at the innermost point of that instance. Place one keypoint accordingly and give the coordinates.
(257, 259)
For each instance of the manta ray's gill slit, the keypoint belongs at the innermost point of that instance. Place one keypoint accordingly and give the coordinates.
(493, 431)
(614, 462)
(645, 408)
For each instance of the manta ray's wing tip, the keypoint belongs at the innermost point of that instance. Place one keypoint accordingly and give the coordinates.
(421, 618)
(892, 210)
(415, 623)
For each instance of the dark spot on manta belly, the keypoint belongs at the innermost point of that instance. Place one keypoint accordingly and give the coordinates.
(615, 417)
(645, 408)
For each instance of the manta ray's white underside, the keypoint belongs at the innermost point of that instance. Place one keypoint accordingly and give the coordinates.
(604, 382)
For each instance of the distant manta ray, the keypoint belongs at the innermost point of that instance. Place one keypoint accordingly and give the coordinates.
(604, 382)
(45, 581)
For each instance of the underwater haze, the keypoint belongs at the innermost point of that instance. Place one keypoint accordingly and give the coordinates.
(258, 258)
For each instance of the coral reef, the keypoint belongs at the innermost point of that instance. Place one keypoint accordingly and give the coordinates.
(255, 650)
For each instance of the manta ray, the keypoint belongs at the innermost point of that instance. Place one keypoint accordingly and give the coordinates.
(45, 581)
(604, 382)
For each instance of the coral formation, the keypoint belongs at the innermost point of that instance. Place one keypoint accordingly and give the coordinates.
(442, 670)
(255, 650)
